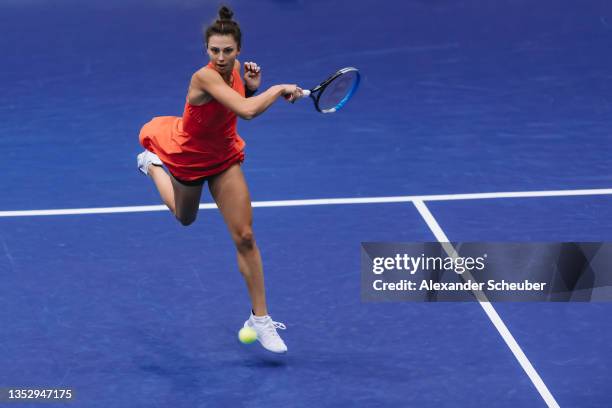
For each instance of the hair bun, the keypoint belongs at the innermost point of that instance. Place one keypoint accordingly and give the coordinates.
(225, 13)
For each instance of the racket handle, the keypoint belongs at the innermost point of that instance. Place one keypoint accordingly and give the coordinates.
(305, 93)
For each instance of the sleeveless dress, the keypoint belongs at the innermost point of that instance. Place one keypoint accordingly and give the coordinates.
(201, 143)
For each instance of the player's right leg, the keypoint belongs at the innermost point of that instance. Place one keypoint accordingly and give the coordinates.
(186, 200)
(182, 200)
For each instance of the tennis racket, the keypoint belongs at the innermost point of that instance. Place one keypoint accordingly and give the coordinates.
(333, 93)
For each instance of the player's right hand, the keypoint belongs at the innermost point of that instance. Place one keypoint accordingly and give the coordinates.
(292, 92)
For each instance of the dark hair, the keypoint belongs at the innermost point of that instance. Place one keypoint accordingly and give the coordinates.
(224, 25)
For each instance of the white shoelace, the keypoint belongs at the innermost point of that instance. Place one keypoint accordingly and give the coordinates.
(271, 325)
(279, 325)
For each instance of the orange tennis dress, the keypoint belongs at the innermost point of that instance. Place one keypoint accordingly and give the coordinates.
(202, 143)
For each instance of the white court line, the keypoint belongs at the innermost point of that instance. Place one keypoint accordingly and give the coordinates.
(321, 201)
(490, 310)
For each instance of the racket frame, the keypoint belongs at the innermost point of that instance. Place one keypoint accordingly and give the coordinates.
(316, 92)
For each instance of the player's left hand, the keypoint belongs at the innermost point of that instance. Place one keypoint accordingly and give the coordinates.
(252, 75)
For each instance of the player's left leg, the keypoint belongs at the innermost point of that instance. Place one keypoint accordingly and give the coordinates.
(230, 192)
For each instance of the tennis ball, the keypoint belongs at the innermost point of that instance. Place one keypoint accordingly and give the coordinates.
(247, 335)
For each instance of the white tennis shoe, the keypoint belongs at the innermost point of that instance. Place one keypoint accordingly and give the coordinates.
(145, 159)
(265, 328)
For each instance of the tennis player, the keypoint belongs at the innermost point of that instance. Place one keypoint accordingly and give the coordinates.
(203, 145)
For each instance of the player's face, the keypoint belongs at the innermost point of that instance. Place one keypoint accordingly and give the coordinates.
(222, 51)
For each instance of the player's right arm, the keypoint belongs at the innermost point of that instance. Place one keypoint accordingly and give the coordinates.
(211, 82)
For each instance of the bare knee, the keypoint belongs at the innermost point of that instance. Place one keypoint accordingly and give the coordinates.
(244, 239)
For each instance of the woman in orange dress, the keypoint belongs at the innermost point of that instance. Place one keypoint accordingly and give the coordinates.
(203, 145)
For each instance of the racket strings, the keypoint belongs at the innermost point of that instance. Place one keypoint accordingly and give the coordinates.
(338, 91)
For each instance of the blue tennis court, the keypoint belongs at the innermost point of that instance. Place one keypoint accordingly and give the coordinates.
(474, 121)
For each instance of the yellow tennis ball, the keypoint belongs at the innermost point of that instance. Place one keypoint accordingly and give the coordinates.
(247, 335)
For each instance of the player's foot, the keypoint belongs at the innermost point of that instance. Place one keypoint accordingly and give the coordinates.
(145, 159)
(265, 328)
